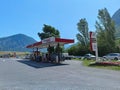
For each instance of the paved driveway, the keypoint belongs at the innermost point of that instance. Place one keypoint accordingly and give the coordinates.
(17, 74)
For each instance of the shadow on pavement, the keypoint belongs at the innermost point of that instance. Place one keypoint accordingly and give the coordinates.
(39, 64)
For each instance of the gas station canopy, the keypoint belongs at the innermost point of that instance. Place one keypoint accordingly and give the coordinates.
(52, 41)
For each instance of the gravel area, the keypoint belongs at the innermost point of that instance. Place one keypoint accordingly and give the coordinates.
(21, 74)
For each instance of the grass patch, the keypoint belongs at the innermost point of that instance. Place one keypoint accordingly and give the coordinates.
(76, 59)
(91, 63)
(87, 62)
(11, 53)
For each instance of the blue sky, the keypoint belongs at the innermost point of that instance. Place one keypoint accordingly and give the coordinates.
(28, 16)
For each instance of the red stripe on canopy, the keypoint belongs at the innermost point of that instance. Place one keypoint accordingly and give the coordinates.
(54, 42)
(64, 40)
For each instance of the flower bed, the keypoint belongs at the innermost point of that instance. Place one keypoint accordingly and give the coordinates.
(106, 63)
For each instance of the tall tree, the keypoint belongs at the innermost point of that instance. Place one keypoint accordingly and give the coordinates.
(83, 36)
(105, 31)
(48, 31)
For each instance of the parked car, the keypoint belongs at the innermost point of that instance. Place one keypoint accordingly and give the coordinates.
(67, 56)
(89, 56)
(112, 56)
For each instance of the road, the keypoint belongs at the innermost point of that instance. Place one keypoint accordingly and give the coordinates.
(18, 74)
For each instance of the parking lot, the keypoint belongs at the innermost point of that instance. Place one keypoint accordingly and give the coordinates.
(20, 74)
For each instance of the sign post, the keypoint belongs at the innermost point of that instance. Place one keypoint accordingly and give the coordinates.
(93, 44)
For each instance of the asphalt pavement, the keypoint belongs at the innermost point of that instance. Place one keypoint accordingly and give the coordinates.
(21, 74)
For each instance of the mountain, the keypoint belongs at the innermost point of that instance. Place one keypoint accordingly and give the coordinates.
(16, 42)
(116, 18)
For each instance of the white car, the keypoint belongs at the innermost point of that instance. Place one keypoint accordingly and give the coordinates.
(89, 57)
(112, 56)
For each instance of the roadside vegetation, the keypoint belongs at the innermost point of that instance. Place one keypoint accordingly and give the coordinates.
(91, 63)
(110, 65)
(106, 40)
(106, 36)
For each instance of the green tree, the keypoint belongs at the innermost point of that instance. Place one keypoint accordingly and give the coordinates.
(78, 50)
(83, 36)
(72, 50)
(48, 31)
(105, 32)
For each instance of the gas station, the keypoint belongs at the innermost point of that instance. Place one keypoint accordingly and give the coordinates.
(56, 57)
